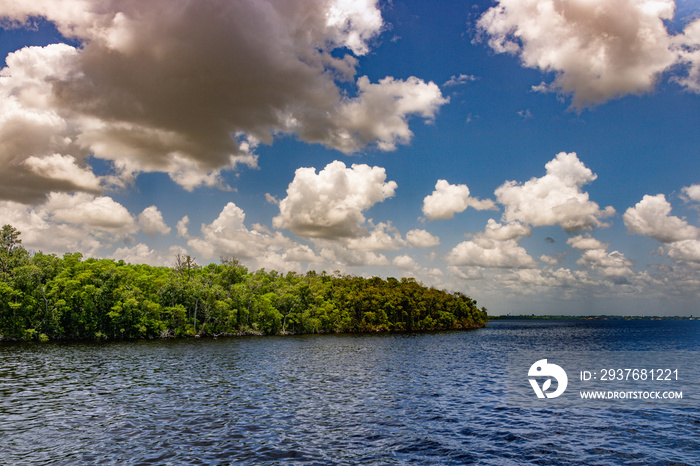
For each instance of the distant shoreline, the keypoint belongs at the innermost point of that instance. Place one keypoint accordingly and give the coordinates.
(596, 317)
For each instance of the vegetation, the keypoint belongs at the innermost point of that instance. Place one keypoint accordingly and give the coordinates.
(45, 297)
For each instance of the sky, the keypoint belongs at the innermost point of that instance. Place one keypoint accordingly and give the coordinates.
(540, 156)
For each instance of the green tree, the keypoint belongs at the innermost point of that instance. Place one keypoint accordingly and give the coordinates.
(12, 253)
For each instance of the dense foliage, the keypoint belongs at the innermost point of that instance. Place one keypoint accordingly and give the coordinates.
(47, 297)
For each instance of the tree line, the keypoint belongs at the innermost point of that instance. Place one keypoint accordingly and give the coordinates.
(46, 297)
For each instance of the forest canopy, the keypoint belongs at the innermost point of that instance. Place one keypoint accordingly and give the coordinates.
(46, 297)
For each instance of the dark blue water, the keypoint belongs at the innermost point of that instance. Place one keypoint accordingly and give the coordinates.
(373, 399)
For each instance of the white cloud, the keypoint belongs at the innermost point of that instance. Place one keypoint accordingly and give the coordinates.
(36, 136)
(685, 252)
(330, 204)
(379, 114)
(466, 274)
(496, 247)
(151, 221)
(448, 199)
(542, 88)
(353, 23)
(182, 226)
(651, 217)
(142, 254)
(383, 237)
(228, 236)
(586, 242)
(260, 228)
(532, 281)
(687, 46)
(405, 262)
(598, 49)
(612, 265)
(39, 233)
(70, 223)
(692, 192)
(338, 257)
(461, 79)
(505, 254)
(301, 253)
(84, 209)
(498, 232)
(550, 260)
(554, 199)
(421, 239)
(63, 168)
(190, 89)
(271, 199)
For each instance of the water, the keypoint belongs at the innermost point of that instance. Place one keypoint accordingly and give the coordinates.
(344, 399)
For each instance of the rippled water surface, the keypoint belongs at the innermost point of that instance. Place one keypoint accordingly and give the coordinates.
(344, 399)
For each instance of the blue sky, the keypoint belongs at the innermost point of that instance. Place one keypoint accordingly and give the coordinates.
(540, 156)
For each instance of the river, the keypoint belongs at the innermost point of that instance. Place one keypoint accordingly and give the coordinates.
(438, 398)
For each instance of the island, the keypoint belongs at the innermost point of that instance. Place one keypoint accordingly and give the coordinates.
(45, 297)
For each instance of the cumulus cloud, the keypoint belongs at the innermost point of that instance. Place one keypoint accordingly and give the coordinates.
(182, 227)
(300, 253)
(532, 281)
(84, 209)
(227, 236)
(651, 217)
(449, 199)
(329, 204)
(142, 254)
(36, 140)
(353, 24)
(63, 168)
(597, 49)
(586, 242)
(611, 264)
(339, 257)
(70, 223)
(271, 199)
(405, 262)
(190, 89)
(496, 247)
(421, 239)
(687, 46)
(468, 274)
(383, 237)
(151, 221)
(504, 254)
(498, 232)
(550, 260)
(554, 199)
(685, 252)
(379, 114)
(692, 192)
